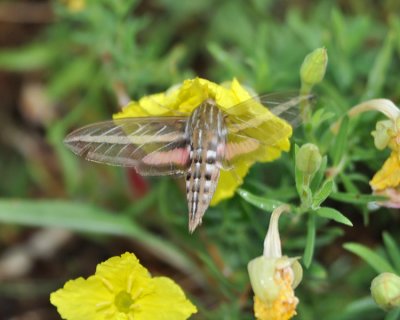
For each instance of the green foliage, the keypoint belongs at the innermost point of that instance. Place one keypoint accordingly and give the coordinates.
(93, 60)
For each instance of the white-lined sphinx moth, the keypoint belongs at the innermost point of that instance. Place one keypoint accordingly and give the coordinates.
(197, 145)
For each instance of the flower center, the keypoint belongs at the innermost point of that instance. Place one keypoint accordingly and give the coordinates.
(123, 301)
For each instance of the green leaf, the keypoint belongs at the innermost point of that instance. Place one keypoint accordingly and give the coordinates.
(32, 57)
(378, 263)
(85, 217)
(393, 314)
(298, 173)
(318, 271)
(348, 184)
(320, 116)
(302, 184)
(392, 249)
(213, 269)
(333, 214)
(77, 74)
(260, 202)
(358, 309)
(319, 175)
(355, 198)
(379, 70)
(340, 144)
(310, 241)
(322, 194)
(64, 214)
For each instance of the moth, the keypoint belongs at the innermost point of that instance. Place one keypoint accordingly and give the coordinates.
(197, 145)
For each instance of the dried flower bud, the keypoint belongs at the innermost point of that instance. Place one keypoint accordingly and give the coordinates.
(273, 277)
(269, 275)
(314, 66)
(308, 158)
(385, 290)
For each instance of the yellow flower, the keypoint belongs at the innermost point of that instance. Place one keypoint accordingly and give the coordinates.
(274, 277)
(386, 181)
(183, 99)
(122, 289)
(389, 175)
(75, 5)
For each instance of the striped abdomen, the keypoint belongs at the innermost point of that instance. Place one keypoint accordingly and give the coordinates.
(208, 136)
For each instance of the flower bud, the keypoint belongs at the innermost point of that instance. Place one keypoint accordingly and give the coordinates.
(385, 290)
(313, 69)
(308, 159)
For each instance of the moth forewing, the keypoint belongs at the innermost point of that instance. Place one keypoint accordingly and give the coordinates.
(134, 142)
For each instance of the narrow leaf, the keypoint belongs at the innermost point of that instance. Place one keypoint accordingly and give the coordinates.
(379, 70)
(32, 57)
(333, 214)
(260, 202)
(74, 75)
(355, 198)
(348, 184)
(70, 215)
(319, 175)
(392, 249)
(310, 241)
(378, 263)
(85, 217)
(322, 194)
(298, 173)
(340, 141)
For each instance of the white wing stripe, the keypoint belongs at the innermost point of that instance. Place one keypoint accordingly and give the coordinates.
(143, 139)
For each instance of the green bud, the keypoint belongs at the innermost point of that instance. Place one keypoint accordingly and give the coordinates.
(308, 159)
(382, 134)
(385, 290)
(313, 69)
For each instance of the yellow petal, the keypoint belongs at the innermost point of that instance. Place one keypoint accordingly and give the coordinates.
(191, 95)
(124, 273)
(229, 181)
(153, 105)
(229, 96)
(166, 301)
(283, 307)
(280, 310)
(389, 175)
(81, 299)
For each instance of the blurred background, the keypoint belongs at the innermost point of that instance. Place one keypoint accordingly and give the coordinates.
(65, 64)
